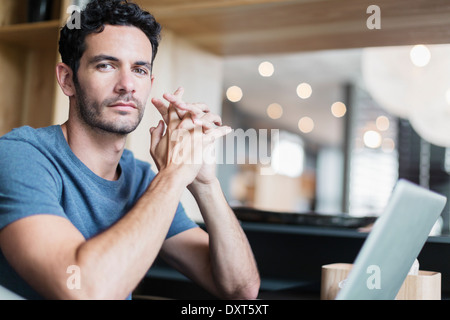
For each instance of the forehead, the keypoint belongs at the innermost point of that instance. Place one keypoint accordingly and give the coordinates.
(123, 42)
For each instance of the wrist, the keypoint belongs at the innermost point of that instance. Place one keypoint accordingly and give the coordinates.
(173, 177)
(204, 187)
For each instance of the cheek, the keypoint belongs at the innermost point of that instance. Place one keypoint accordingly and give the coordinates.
(99, 84)
(96, 90)
(143, 93)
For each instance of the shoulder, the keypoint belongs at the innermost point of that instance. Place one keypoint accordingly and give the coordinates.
(29, 134)
(27, 138)
(24, 158)
(18, 144)
(18, 136)
(26, 145)
(29, 182)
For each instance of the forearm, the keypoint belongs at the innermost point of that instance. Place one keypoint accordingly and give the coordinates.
(114, 262)
(233, 266)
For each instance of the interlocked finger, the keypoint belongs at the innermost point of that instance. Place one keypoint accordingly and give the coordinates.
(218, 132)
(209, 121)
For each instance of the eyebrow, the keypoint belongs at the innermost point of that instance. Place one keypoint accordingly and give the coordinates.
(144, 64)
(103, 57)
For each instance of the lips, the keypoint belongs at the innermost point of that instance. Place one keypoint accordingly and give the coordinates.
(124, 104)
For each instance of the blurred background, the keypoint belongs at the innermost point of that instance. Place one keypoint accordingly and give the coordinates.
(332, 101)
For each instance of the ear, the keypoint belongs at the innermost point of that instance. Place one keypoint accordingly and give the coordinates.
(64, 76)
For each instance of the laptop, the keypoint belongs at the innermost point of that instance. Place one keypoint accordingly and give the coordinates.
(394, 243)
(6, 294)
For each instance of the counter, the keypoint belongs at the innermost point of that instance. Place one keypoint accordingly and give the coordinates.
(289, 259)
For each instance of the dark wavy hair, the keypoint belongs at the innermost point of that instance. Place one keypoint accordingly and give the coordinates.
(94, 17)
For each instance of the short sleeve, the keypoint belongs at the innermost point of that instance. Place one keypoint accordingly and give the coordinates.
(181, 222)
(28, 183)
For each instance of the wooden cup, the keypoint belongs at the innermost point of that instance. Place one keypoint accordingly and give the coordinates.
(424, 286)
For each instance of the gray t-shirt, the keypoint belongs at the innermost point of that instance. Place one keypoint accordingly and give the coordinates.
(39, 174)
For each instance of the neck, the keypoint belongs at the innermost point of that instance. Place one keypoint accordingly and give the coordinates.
(99, 151)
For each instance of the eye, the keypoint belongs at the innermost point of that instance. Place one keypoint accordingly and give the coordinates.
(141, 71)
(104, 66)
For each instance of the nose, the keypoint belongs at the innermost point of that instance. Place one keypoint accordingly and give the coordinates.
(125, 82)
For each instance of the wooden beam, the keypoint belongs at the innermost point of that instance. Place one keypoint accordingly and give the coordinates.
(171, 7)
(229, 27)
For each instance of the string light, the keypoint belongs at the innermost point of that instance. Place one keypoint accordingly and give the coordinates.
(372, 139)
(274, 111)
(420, 55)
(338, 109)
(382, 123)
(304, 90)
(306, 124)
(234, 94)
(266, 69)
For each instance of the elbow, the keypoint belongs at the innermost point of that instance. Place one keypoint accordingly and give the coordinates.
(67, 293)
(97, 290)
(87, 289)
(249, 291)
(91, 294)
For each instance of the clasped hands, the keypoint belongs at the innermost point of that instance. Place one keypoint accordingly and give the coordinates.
(184, 139)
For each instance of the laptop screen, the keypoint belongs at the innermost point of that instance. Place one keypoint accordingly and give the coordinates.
(394, 243)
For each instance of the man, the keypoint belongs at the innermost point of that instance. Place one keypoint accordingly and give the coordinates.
(72, 197)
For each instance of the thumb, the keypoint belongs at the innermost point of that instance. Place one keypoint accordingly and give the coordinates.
(156, 135)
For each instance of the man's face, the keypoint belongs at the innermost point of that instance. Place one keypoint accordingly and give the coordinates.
(114, 79)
